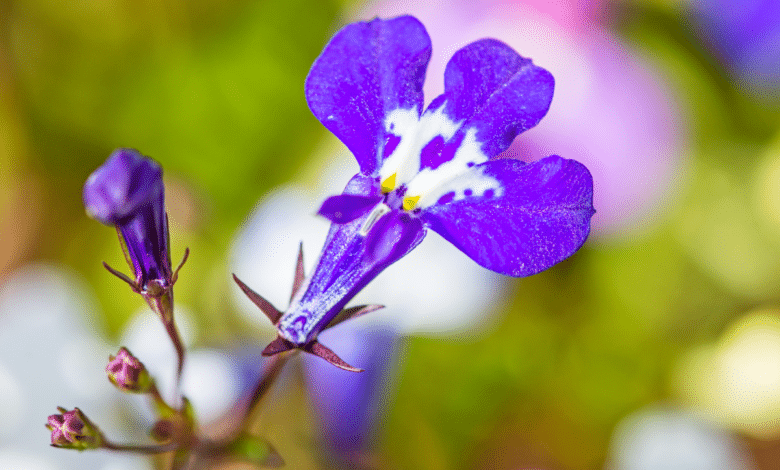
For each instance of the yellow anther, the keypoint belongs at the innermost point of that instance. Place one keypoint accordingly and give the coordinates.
(410, 202)
(388, 184)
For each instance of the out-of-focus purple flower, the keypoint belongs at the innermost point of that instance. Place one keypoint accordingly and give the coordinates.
(611, 110)
(128, 193)
(71, 429)
(348, 405)
(432, 169)
(745, 35)
(128, 373)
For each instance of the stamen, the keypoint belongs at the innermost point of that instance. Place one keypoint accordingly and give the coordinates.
(376, 214)
(388, 184)
(410, 202)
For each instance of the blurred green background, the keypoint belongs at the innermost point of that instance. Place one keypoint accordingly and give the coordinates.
(214, 91)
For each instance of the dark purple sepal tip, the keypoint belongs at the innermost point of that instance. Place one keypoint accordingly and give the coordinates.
(280, 345)
(300, 275)
(265, 306)
(354, 312)
(318, 349)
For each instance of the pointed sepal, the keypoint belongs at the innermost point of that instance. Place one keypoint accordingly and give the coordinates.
(265, 306)
(300, 276)
(354, 312)
(133, 285)
(183, 260)
(318, 349)
(277, 346)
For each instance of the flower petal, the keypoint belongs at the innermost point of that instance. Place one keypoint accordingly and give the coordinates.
(493, 92)
(123, 184)
(538, 215)
(367, 71)
(345, 208)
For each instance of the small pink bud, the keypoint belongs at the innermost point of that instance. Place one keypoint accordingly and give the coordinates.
(128, 373)
(72, 430)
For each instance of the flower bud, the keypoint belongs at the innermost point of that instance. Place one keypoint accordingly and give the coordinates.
(72, 430)
(128, 373)
(128, 193)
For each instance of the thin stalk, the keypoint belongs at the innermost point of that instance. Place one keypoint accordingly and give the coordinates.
(270, 374)
(150, 449)
(163, 306)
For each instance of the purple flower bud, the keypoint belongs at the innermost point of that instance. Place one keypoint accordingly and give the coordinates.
(72, 430)
(128, 193)
(128, 373)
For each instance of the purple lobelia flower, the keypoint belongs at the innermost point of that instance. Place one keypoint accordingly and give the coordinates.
(429, 169)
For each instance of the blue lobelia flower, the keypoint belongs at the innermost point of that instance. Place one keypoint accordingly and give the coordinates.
(432, 168)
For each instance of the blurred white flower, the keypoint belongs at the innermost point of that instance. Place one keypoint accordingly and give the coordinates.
(658, 438)
(50, 357)
(209, 380)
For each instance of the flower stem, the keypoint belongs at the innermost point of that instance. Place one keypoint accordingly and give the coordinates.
(270, 374)
(149, 449)
(163, 306)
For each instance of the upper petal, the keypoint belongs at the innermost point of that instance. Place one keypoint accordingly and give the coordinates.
(537, 215)
(492, 92)
(367, 71)
(125, 183)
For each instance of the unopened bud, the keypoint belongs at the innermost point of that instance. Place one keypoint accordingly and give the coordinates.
(128, 373)
(72, 430)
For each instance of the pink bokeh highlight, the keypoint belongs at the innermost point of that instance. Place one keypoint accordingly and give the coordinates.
(611, 110)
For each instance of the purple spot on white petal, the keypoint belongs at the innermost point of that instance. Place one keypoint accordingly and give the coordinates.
(470, 164)
(391, 142)
(468, 192)
(438, 151)
(429, 157)
(489, 193)
(446, 198)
